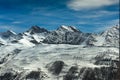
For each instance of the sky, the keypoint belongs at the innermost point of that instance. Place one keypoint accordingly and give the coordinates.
(86, 15)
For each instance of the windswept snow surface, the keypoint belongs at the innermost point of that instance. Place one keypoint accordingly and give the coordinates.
(38, 57)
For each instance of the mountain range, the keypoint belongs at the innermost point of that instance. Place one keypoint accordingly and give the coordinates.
(63, 35)
(66, 53)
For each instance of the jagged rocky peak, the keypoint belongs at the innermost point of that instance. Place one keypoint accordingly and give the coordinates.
(113, 30)
(111, 36)
(117, 26)
(112, 33)
(68, 28)
(11, 32)
(8, 33)
(36, 29)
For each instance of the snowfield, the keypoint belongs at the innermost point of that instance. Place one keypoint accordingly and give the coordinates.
(43, 55)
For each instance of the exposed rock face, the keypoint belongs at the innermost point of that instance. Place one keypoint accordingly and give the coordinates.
(56, 67)
(35, 75)
(103, 73)
(71, 35)
(36, 29)
(66, 35)
(35, 35)
(72, 74)
(112, 36)
(32, 75)
(8, 34)
(106, 58)
(8, 76)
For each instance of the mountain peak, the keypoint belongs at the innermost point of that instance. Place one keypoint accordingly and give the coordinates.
(7, 34)
(112, 30)
(10, 32)
(68, 28)
(36, 29)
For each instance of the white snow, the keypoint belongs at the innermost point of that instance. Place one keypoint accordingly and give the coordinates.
(68, 28)
(32, 58)
(100, 41)
(12, 32)
(26, 42)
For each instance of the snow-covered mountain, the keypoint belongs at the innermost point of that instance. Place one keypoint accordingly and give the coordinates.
(36, 29)
(8, 36)
(63, 35)
(109, 37)
(112, 36)
(66, 35)
(39, 54)
(33, 36)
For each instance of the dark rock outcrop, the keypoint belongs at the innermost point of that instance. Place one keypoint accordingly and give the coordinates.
(71, 75)
(36, 29)
(56, 67)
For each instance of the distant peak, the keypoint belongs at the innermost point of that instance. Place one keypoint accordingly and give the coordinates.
(117, 26)
(36, 29)
(10, 32)
(111, 30)
(68, 28)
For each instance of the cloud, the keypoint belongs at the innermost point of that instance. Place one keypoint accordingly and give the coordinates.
(100, 13)
(6, 27)
(16, 22)
(11, 27)
(107, 25)
(112, 22)
(89, 4)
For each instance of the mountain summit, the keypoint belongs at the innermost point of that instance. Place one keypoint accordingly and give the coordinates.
(68, 28)
(112, 35)
(36, 29)
(8, 34)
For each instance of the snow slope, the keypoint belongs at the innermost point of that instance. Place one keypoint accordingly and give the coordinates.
(44, 55)
(110, 37)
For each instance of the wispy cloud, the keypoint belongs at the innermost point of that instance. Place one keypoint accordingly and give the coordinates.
(89, 4)
(11, 27)
(1, 16)
(16, 22)
(107, 25)
(113, 22)
(102, 13)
